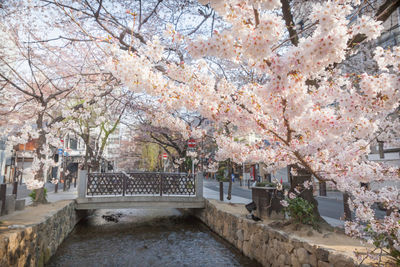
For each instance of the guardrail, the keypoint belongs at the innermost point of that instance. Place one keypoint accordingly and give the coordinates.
(138, 184)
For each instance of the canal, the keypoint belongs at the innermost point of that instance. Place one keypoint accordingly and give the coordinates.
(151, 237)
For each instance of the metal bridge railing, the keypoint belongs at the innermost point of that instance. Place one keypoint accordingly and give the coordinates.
(138, 183)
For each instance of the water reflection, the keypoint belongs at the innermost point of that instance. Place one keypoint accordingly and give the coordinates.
(145, 237)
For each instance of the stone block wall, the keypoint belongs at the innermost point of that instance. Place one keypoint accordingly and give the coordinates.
(33, 245)
(268, 246)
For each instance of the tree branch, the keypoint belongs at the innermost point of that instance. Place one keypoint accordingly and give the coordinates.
(288, 17)
(383, 13)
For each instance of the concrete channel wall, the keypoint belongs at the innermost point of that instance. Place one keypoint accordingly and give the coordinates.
(268, 246)
(33, 244)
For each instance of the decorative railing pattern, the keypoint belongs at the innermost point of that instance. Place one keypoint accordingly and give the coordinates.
(105, 184)
(140, 183)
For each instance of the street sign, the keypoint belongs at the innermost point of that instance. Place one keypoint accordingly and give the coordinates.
(60, 151)
(191, 143)
(165, 156)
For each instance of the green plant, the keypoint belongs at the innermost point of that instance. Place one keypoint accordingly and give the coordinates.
(33, 194)
(301, 211)
(262, 184)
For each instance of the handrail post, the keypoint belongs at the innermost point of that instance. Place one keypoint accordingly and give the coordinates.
(82, 183)
(198, 183)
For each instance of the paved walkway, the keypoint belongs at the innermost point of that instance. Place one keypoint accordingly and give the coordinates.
(208, 193)
(72, 193)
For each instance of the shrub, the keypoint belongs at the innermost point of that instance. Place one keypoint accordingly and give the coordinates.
(301, 211)
(33, 194)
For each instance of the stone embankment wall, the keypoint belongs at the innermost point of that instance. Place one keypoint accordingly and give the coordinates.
(35, 243)
(269, 246)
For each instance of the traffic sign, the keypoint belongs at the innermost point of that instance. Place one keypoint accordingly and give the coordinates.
(60, 151)
(165, 156)
(191, 143)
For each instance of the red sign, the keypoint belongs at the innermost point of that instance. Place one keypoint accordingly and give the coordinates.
(164, 155)
(191, 143)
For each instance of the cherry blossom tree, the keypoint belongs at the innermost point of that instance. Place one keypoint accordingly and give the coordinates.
(36, 81)
(51, 76)
(314, 116)
(171, 131)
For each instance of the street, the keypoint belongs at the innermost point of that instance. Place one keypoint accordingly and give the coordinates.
(327, 206)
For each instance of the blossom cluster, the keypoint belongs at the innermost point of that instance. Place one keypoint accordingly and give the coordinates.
(311, 113)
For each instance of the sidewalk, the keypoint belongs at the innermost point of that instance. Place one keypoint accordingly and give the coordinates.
(208, 193)
(72, 193)
(333, 195)
(333, 222)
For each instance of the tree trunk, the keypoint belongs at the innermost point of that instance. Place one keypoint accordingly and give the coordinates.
(322, 189)
(95, 165)
(346, 207)
(40, 174)
(40, 197)
(86, 139)
(298, 181)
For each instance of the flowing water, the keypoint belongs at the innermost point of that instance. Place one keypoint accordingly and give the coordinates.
(145, 238)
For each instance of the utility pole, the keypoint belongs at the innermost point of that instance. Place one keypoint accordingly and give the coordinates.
(243, 172)
(23, 161)
(193, 166)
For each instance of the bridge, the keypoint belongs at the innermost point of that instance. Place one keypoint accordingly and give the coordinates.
(119, 190)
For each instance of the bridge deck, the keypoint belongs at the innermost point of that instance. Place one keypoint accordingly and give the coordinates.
(139, 202)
